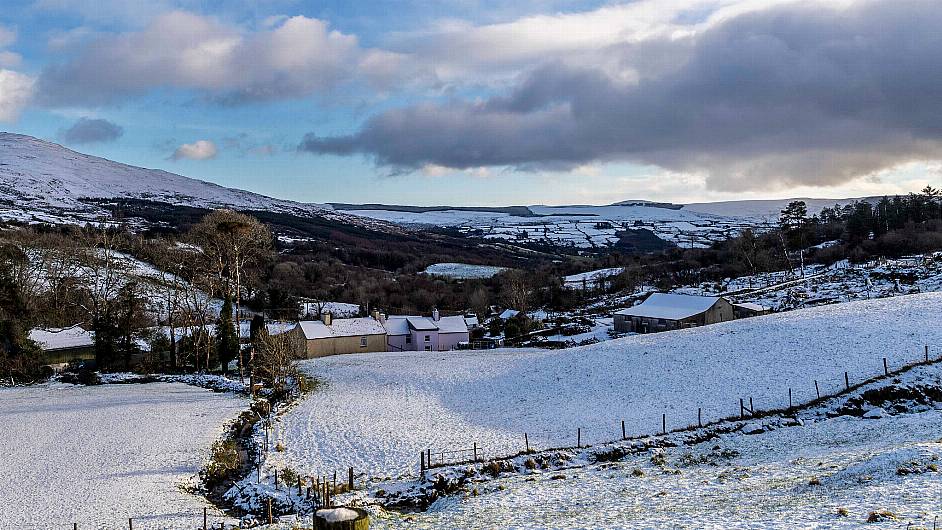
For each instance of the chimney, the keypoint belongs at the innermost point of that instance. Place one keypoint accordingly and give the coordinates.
(435, 314)
(327, 318)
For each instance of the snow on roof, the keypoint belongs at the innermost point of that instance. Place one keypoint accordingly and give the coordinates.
(341, 327)
(670, 306)
(751, 306)
(452, 325)
(509, 313)
(397, 325)
(401, 324)
(62, 338)
(421, 324)
(471, 321)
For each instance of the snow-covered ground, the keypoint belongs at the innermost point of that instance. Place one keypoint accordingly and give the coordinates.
(99, 455)
(735, 481)
(580, 226)
(590, 279)
(45, 182)
(378, 411)
(462, 271)
(840, 282)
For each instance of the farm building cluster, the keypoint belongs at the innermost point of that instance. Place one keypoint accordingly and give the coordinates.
(379, 332)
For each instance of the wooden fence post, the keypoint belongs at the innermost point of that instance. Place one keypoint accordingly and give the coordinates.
(428, 458)
(422, 462)
(526, 443)
(623, 430)
(789, 398)
(74, 526)
(664, 423)
(886, 371)
(816, 389)
(742, 409)
(927, 353)
(752, 408)
(475, 451)
(350, 478)
(276, 480)
(699, 417)
(130, 524)
(271, 517)
(846, 381)
(204, 518)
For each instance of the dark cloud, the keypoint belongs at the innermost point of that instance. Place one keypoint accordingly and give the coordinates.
(87, 131)
(800, 94)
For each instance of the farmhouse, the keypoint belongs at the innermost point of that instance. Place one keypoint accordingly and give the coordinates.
(417, 333)
(663, 312)
(332, 336)
(63, 345)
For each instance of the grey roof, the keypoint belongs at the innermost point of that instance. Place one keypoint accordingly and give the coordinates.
(670, 306)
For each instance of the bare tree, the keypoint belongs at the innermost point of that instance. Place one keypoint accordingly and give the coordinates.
(516, 290)
(233, 246)
(275, 358)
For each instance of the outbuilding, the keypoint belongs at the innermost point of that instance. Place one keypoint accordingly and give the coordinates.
(64, 345)
(666, 311)
(333, 336)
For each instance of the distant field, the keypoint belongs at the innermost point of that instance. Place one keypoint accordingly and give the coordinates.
(462, 271)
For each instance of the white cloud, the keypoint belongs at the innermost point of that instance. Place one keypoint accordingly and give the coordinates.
(16, 91)
(294, 57)
(198, 150)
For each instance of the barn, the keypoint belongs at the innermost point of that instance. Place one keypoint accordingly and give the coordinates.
(664, 312)
(64, 345)
(332, 336)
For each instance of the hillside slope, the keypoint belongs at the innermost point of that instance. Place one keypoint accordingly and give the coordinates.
(378, 411)
(45, 181)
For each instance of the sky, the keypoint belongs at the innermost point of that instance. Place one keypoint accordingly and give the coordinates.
(486, 102)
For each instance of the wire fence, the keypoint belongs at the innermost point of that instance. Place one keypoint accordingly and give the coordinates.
(743, 408)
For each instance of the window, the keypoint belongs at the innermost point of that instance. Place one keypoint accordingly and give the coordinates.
(408, 339)
(428, 338)
(363, 342)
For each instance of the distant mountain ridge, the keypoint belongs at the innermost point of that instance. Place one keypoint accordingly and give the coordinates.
(41, 180)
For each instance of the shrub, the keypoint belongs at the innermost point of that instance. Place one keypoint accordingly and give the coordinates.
(843, 512)
(223, 461)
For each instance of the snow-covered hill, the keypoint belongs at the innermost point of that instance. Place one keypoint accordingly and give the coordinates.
(44, 181)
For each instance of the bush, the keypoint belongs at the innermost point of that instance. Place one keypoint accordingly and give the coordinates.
(223, 461)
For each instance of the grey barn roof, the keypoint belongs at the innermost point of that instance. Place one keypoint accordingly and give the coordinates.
(670, 306)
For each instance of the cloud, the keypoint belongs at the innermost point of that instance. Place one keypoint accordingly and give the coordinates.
(797, 94)
(296, 57)
(198, 150)
(88, 130)
(16, 91)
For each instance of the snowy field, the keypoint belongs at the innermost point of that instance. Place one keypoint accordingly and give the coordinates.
(462, 271)
(580, 226)
(764, 484)
(378, 411)
(99, 455)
